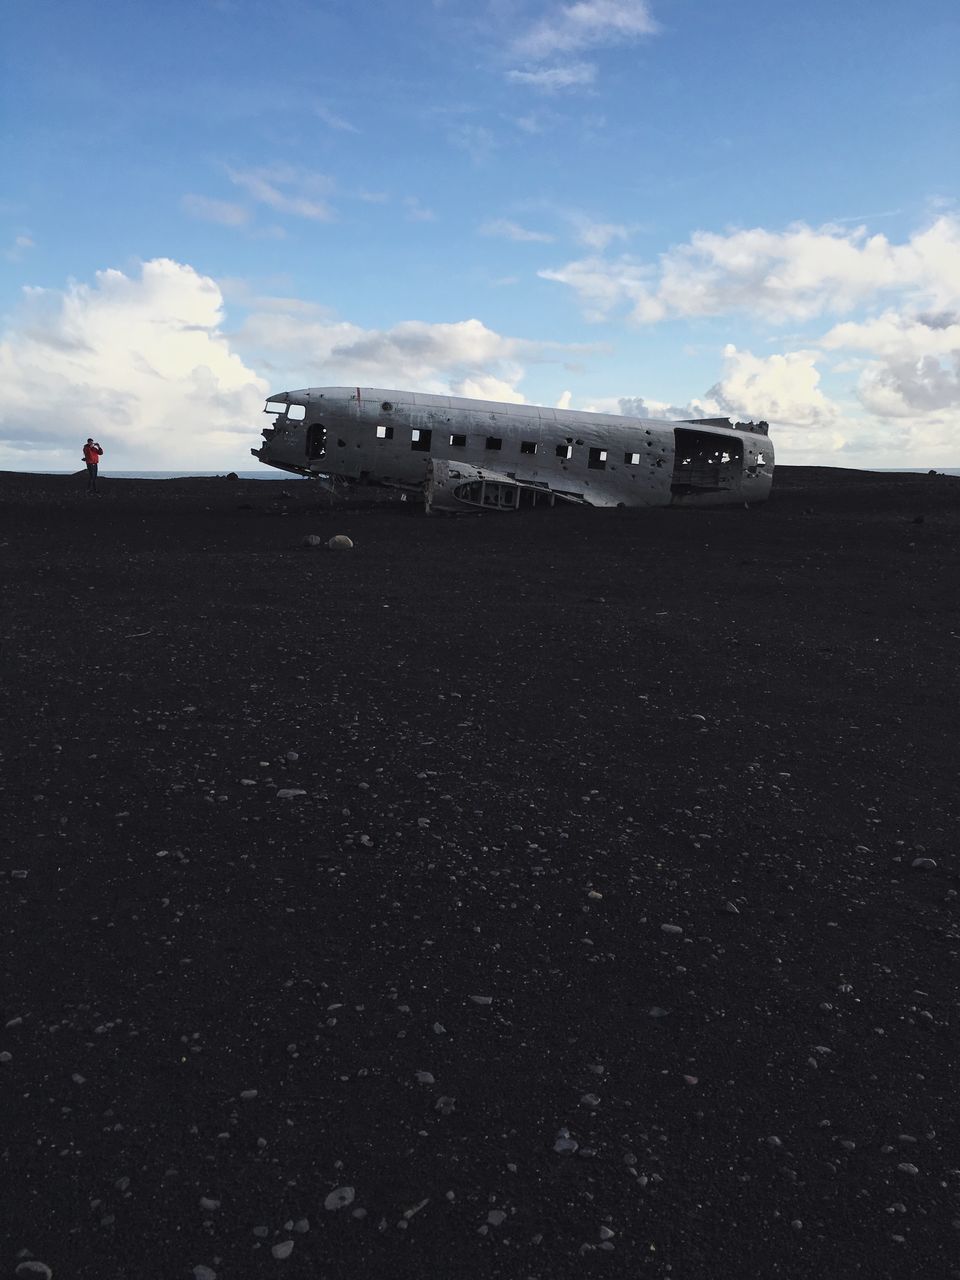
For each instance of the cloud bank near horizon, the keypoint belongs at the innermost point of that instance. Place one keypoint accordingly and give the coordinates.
(146, 360)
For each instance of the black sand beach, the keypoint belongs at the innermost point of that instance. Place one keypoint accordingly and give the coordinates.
(590, 941)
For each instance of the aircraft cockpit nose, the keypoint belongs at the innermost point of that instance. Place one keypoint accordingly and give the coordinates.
(281, 407)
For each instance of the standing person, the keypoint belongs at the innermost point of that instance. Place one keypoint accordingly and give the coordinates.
(92, 453)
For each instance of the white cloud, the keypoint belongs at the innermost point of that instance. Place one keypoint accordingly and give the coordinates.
(21, 243)
(586, 24)
(223, 212)
(482, 388)
(915, 365)
(139, 362)
(573, 75)
(333, 121)
(639, 407)
(287, 189)
(794, 274)
(908, 388)
(897, 334)
(603, 287)
(416, 212)
(783, 389)
(506, 230)
(414, 353)
(598, 235)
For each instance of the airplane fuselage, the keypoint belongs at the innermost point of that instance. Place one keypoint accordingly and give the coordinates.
(462, 454)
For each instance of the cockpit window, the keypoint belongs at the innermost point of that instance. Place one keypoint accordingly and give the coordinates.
(296, 412)
(275, 407)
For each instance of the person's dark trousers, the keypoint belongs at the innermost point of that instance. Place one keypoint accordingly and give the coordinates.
(92, 477)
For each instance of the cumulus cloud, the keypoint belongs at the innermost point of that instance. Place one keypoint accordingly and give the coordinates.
(414, 353)
(640, 407)
(780, 388)
(795, 274)
(574, 75)
(138, 361)
(908, 388)
(481, 388)
(506, 230)
(896, 334)
(585, 24)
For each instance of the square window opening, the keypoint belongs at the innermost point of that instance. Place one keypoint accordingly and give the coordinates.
(494, 442)
(631, 459)
(420, 440)
(565, 451)
(528, 446)
(384, 433)
(458, 442)
(598, 459)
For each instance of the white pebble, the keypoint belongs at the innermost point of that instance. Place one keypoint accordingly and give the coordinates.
(283, 1249)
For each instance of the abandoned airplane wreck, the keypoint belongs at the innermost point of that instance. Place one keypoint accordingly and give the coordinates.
(463, 455)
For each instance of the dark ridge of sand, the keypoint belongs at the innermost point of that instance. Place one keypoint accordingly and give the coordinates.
(526, 743)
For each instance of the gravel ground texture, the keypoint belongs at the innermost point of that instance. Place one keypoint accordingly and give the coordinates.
(538, 895)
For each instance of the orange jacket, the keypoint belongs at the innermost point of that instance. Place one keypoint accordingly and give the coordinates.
(92, 453)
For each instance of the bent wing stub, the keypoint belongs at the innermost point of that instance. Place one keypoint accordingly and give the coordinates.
(461, 487)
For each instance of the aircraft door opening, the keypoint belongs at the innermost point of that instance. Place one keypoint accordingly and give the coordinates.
(316, 441)
(705, 463)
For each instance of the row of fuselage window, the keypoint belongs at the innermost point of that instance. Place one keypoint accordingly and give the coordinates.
(420, 442)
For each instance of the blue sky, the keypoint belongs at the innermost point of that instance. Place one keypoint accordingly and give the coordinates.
(661, 208)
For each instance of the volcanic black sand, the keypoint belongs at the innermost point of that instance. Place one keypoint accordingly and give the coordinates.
(591, 941)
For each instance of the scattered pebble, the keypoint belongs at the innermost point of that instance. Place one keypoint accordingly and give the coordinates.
(670, 928)
(283, 1249)
(340, 1198)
